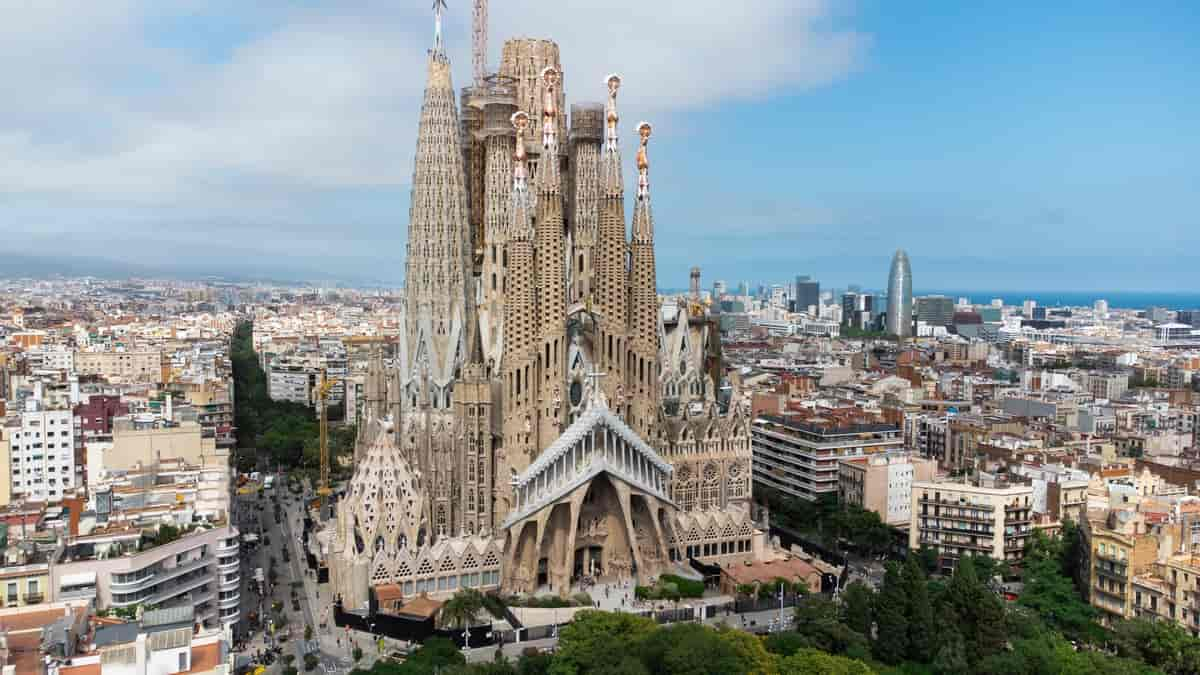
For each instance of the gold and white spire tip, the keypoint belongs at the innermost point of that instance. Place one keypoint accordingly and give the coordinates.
(520, 122)
(643, 160)
(611, 118)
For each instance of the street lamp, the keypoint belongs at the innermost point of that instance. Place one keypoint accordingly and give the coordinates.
(781, 605)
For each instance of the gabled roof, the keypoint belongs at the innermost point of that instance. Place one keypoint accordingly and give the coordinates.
(595, 417)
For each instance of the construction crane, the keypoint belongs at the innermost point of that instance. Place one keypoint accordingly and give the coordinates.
(323, 390)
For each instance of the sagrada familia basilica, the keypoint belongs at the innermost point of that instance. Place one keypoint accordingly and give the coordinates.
(544, 418)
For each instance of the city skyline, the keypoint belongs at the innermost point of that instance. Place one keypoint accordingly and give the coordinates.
(219, 140)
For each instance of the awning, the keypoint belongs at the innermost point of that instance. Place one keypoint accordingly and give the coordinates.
(79, 579)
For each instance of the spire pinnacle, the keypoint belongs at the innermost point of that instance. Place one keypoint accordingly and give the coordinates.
(521, 207)
(438, 6)
(549, 108)
(520, 122)
(643, 161)
(548, 173)
(610, 112)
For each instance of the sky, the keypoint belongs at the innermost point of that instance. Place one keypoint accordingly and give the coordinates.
(1016, 145)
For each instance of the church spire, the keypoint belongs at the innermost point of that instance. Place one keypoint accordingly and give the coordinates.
(548, 172)
(521, 206)
(439, 252)
(438, 7)
(643, 220)
(643, 298)
(610, 161)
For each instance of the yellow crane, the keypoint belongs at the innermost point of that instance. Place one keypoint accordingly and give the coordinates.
(323, 390)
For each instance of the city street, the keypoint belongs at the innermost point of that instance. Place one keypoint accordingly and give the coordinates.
(333, 649)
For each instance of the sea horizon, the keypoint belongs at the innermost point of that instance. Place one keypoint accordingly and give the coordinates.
(1173, 300)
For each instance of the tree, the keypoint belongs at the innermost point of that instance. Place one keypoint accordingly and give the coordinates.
(951, 658)
(433, 655)
(786, 643)
(308, 632)
(755, 660)
(921, 628)
(1052, 595)
(857, 607)
(357, 654)
(745, 589)
(685, 648)
(1162, 644)
(460, 610)
(310, 661)
(815, 662)
(975, 609)
(597, 642)
(817, 622)
(928, 556)
(891, 618)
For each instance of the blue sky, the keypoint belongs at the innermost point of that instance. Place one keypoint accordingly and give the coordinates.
(1004, 145)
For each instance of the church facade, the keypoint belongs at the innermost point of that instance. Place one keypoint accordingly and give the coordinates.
(544, 419)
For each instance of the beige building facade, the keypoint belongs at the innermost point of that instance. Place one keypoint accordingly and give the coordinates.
(140, 366)
(883, 483)
(960, 519)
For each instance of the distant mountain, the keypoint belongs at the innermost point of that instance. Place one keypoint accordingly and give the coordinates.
(44, 267)
(20, 265)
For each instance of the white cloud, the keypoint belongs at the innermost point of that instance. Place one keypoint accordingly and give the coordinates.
(199, 110)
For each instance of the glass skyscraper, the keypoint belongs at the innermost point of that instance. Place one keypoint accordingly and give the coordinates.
(900, 298)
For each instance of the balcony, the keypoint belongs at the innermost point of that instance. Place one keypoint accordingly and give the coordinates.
(230, 602)
(232, 583)
(83, 593)
(162, 575)
(184, 587)
(34, 598)
(955, 503)
(1100, 588)
(944, 527)
(224, 547)
(231, 566)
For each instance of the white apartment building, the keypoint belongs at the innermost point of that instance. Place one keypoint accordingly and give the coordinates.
(201, 569)
(292, 383)
(42, 454)
(883, 483)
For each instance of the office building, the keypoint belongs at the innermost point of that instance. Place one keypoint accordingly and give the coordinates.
(858, 310)
(935, 310)
(900, 300)
(806, 293)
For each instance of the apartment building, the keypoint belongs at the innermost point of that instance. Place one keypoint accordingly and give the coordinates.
(114, 366)
(118, 567)
(801, 458)
(960, 519)
(883, 483)
(25, 576)
(42, 453)
(161, 642)
(292, 382)
(1116, 544)
(143, 443)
